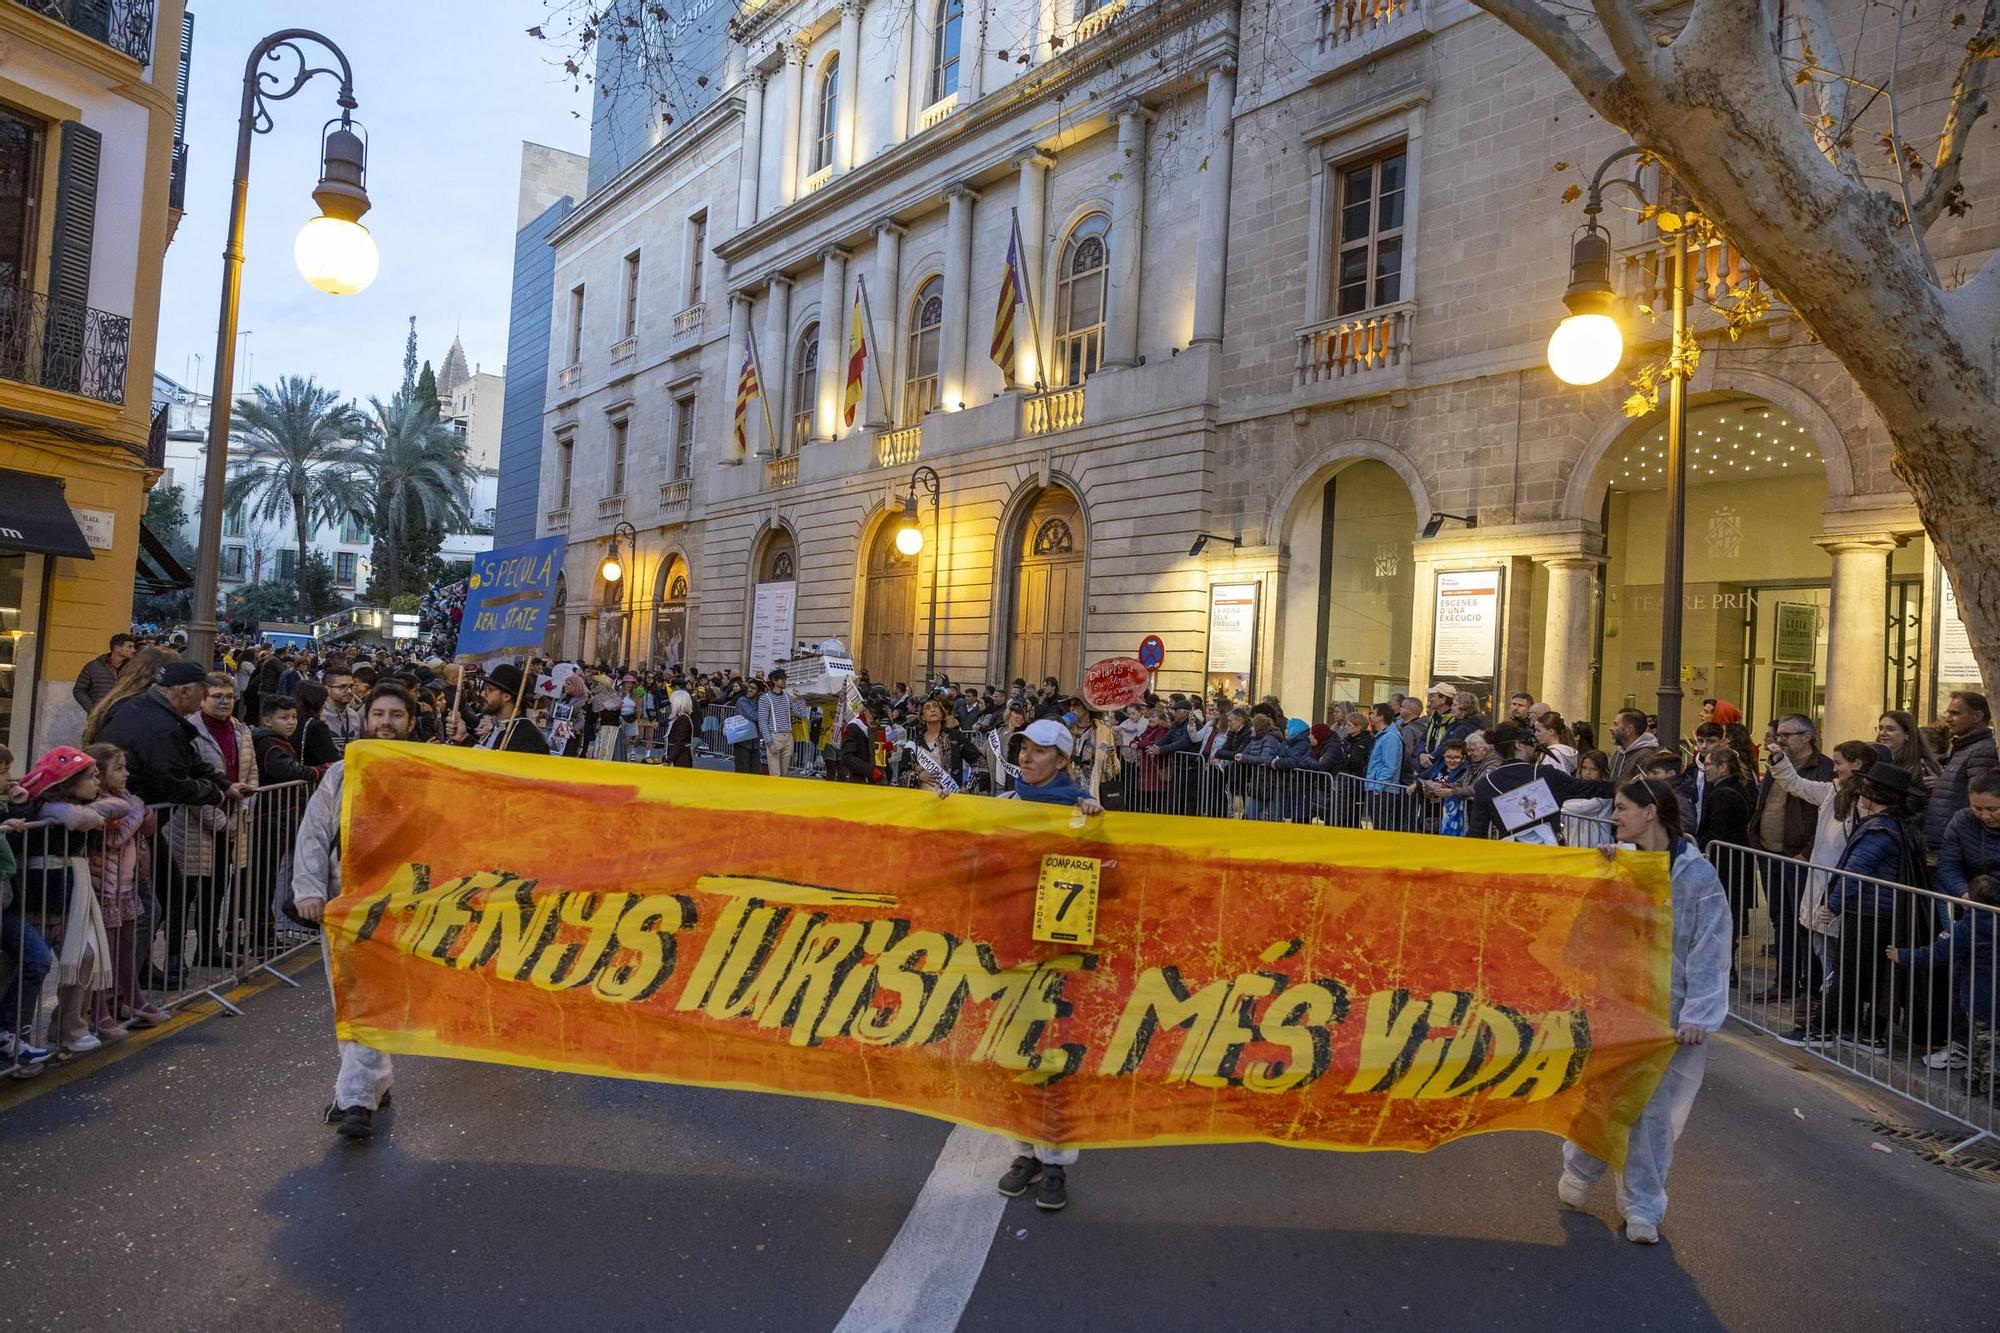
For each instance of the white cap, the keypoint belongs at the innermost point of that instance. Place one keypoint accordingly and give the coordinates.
(1047, 732)
(1446, 688)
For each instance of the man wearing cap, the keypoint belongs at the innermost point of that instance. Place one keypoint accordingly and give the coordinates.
(510, 731)
(158, 740)
(776, 711)
(1437, 722)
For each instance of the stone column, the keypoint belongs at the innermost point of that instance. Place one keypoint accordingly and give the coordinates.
(1857, 639)
(1128, 217)
(972, 52)
(750, 161)
(1566, 634)
(901, 92)
(850, 86)
(833, 317)
(739, 344)
(959, 200)
(775, 362)
(1031, 206)
(885, 304)
(795, 95)
(1211, 255)
(1046, 19)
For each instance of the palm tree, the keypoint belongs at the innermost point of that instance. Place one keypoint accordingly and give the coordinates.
(417, 470)
(298, 461)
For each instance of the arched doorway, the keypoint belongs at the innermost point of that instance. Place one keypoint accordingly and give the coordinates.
(1045, 608)
(889, 609)
(1351, 590)
(670, 614)
(773, 599)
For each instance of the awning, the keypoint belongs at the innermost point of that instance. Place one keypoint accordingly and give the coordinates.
(35, 517)
(158, 571)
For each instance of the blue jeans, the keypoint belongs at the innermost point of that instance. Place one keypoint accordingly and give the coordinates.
(24, 944)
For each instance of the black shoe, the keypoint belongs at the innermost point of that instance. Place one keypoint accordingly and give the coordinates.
(356, 1122)
(1025, 1172)
(1798, 1036)
(1053, 1195)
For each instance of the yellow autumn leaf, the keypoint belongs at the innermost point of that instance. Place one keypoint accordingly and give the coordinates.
(1637, 405)
(1572, 194)
(1667, 222)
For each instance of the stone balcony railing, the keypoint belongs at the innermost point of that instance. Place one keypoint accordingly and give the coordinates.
(1058, 409)
(567, 377)
(1371, 349)
(1096, 21)
(556, 520)
(687, 324)
(611, 506)
(1345, 22)
(623, 349)
(1642, 274)
(781, 472)
(899, 448)
(674, 494)
(936, 112)
(817, 179)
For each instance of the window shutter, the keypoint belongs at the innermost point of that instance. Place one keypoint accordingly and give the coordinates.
(66, 324)
(92, 18)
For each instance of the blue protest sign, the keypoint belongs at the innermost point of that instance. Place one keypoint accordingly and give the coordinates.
(507, 600)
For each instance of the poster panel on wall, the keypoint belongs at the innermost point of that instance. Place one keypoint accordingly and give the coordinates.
(1232, 638)
(1957, 668)
(771, 624)
(1465, 631)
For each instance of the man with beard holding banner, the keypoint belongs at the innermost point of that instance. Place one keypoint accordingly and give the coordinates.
(363, 1082)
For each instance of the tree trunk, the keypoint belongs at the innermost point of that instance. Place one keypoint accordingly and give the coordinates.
(1714, 106)
(299, 521)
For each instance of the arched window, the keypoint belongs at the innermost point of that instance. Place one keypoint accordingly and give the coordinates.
(829, 112)
(805, 385)
(1080, 281)
(944, 49)
(920, 388)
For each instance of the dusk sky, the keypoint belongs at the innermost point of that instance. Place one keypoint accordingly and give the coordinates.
(448, 89)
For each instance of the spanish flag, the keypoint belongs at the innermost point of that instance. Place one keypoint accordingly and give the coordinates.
(857, 358)
(747, 391)
(1003, 318)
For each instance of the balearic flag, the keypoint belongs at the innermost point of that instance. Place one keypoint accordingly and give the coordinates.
(857, 359)
(1003, 318)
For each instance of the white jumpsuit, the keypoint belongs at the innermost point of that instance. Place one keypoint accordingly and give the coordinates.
(365, 1072)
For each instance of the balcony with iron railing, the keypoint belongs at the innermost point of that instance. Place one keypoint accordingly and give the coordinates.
(63, 345)
(126, 26)
(1354, 355)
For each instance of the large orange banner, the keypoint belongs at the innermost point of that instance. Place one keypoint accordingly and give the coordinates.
(1239, 981)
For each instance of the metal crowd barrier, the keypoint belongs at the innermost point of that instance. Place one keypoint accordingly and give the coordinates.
(1384, 808)
(206, 884)
(1183, 783)
(1922, 1030)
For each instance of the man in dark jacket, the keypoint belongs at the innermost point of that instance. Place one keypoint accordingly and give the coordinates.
(504, 685)
(100, 674)
(158, 740)
(1517, 768)
(1968, 720)
(1784, 826)
(857, 740)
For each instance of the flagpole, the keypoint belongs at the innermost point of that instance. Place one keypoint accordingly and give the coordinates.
(763, 393)
(867, 328)
(1028, 298)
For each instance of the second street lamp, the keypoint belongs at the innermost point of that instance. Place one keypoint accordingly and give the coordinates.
(910, 541)
(613, 571)
(1587, 346)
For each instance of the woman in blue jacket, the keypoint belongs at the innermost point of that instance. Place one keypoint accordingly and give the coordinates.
(1969, 953)
(1885, 850)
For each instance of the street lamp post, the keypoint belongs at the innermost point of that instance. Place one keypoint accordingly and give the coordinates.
(334, 252)
(613, 571)
(1586, 347)
(910, 540)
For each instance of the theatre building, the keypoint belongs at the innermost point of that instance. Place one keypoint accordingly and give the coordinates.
(1280, 397)
(89, 194)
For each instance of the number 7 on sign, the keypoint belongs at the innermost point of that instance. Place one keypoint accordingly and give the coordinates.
(1066, 900)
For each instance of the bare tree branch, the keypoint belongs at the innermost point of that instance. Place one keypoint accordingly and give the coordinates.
(1567, 51)
(1821, 52)
(1968, 103)
(1627, 31)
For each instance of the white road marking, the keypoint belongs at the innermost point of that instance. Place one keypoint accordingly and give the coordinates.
(929, 1270)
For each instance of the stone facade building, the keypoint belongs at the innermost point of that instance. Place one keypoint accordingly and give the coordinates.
(1293, 271)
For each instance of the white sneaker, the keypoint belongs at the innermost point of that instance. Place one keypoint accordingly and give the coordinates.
(1951, 1057)
(1572, 1189)
(87, 1042)
(1641, 1233)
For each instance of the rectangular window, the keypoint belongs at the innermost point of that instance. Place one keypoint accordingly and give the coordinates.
(576, 324)
(353, 530)
(232, 562)
(20, 195)
(683, 438)
(1368, 233)
(344, 565)
(288, 566)
(697, 255)
(232, 521)
(631, 295)
(566, 469)
(619, 431)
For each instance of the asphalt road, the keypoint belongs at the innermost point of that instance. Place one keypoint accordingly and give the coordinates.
(188, 1184)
